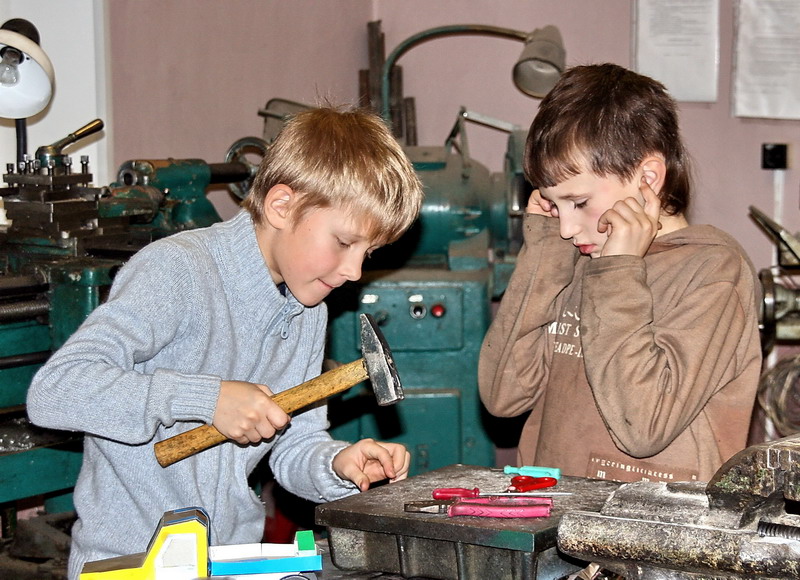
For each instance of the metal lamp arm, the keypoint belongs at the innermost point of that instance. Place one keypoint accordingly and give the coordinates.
(450, 30)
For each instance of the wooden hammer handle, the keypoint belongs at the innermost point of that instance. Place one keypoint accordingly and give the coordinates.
(329, 383)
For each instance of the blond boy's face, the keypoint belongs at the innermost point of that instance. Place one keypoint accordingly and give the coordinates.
(580, 201)
(321, 251)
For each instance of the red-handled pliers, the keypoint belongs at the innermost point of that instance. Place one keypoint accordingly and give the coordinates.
(515, 507)
(522, 483)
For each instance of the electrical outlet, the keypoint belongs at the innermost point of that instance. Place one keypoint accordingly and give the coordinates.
(773, 156)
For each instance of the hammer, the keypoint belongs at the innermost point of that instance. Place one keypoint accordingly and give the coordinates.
(376, 365)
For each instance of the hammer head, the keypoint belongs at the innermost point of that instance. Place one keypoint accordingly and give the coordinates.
(379, 363)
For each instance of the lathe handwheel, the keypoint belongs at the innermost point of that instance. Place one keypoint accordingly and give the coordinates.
(238, 153)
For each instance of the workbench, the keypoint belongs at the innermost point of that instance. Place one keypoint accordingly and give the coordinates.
(370, 533)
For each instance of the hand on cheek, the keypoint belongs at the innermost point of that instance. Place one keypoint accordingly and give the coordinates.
(631, 224)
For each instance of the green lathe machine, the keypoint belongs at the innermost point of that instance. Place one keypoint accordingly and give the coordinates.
(61, 241)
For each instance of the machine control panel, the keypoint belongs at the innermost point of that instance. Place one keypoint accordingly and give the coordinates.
(428, 318)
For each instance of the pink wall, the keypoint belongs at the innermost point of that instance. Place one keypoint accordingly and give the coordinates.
(190, 75)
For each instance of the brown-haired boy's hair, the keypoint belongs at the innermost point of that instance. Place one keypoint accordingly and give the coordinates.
(606, 119)
(342, 158)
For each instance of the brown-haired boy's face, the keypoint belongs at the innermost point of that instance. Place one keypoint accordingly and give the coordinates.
(579, 201)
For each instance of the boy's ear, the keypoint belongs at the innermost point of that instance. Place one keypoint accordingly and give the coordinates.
(277, 205)
(654, 171)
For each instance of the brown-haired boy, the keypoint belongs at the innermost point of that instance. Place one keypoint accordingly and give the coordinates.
(630, 335)
(203, 326)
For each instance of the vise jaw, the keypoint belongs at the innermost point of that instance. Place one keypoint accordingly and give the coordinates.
(744, 523)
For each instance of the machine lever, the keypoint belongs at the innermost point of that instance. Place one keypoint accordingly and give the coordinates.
(54, 150)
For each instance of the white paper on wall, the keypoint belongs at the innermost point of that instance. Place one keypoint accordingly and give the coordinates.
(677, 43)
(767, 59)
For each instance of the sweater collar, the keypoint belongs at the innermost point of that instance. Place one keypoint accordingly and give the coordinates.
(247, 270)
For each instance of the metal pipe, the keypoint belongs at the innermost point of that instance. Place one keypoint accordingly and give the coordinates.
(451, 30)
(21, 127)
(228, 172)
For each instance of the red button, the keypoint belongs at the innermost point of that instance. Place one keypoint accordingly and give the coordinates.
(438, 310)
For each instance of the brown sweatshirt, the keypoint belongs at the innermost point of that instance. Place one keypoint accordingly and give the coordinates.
(633, 368)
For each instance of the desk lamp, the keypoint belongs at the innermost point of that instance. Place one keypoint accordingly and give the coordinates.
(26, 76)
(536, 72)
(541, 63)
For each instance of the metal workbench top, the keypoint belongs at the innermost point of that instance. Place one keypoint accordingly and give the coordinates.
(371, 532)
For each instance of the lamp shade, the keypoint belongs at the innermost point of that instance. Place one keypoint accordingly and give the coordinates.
(32, 91)
(541, 63)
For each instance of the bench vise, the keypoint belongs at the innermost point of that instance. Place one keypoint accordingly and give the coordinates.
(744, 523)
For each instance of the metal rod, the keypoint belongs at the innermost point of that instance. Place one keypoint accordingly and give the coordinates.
(452, 30)
(23, 310)
(22, 139)
(23, 360)
(410, 120)
(10, 284)
(772, 530)
(88, 129)
(228, 172)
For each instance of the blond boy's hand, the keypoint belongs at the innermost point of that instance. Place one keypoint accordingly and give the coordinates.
(631, 224)
(369, 461)
(246, 412)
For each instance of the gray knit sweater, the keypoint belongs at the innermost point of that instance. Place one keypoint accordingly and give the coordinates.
(183, 314)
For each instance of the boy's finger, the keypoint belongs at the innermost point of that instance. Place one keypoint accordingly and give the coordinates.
(401, 471)
(652, 203)
(265, 389)
(386, 459)
(606, 220)
(370, 450)
(401, 462)
(361, 480)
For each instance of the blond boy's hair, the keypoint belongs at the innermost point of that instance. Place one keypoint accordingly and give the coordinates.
(346, 159)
